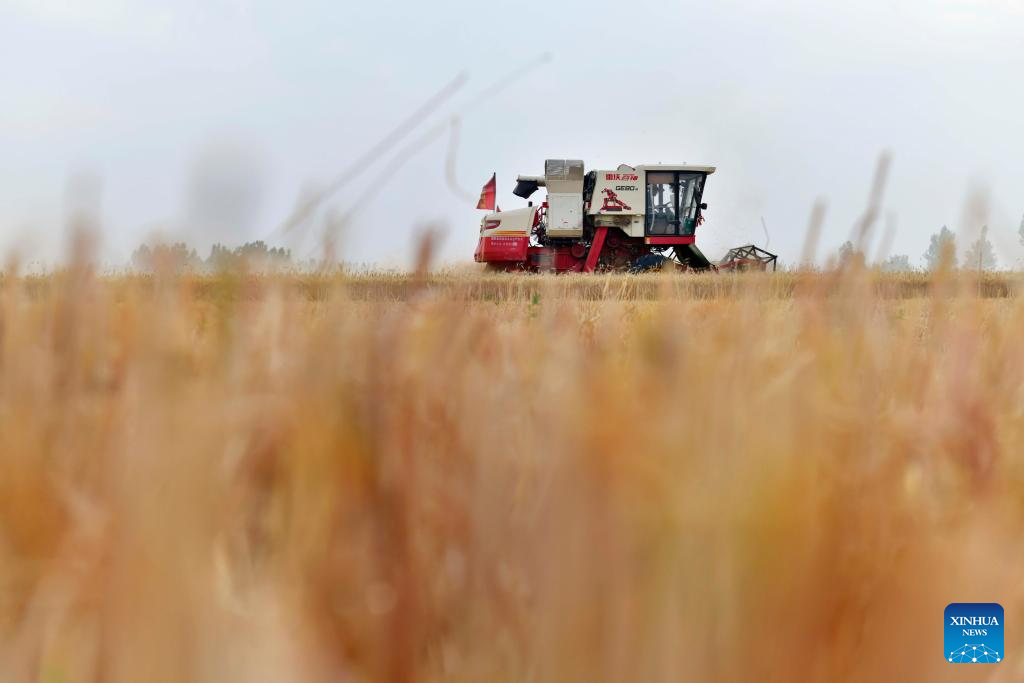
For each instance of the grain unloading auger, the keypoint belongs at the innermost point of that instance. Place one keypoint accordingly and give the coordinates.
(632, 218)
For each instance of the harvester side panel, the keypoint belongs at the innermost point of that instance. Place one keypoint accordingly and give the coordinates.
(564, 181)
(501, 248)
(565, 215)
(505, 235)
(619, 194)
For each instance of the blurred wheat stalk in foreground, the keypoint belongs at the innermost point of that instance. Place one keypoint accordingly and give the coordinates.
(788, 480)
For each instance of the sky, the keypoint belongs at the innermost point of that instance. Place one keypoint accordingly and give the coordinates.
(209, 120)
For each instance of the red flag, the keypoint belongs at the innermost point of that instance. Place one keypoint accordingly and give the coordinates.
(488, 194)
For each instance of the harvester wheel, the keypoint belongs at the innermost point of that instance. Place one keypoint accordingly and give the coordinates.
(648, 262)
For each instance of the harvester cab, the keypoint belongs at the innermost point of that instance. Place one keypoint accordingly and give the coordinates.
(630, 218)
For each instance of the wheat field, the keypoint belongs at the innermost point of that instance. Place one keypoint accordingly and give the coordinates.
(459, 477)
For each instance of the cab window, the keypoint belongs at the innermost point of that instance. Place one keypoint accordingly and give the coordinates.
(673, 202)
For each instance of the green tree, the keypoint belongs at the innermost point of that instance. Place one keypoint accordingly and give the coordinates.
(848, 255)
(174, 258)
(940, 241)
(220, 258)
(897, 263)
(980, 255)
(142, 258)
(251, 255)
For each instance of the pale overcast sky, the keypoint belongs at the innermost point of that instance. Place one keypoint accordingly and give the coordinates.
(166, 116)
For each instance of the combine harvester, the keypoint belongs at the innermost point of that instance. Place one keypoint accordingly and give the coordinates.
(633, 218)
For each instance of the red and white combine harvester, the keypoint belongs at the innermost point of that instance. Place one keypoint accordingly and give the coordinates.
(632, 218)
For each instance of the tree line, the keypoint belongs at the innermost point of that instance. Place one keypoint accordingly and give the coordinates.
(179, 257)
(980, 254)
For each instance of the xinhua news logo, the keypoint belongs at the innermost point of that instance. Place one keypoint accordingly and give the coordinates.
(974, 633)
